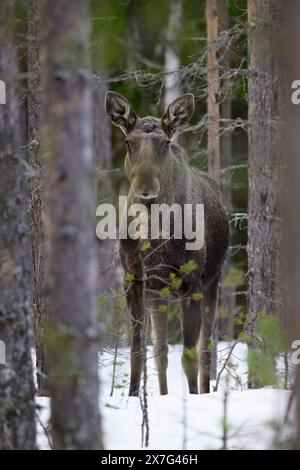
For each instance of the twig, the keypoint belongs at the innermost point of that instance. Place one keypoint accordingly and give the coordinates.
(224, 365)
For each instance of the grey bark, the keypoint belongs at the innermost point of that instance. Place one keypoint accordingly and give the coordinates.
(17, 420)
(70, 227)
(292, 268)
(265, 165)
(36, 199)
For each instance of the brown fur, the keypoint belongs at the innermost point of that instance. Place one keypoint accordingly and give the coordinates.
(158, 170)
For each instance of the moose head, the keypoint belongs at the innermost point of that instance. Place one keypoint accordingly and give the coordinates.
(148, 142)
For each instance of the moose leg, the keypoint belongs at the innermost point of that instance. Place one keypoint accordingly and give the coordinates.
(159, 325)
(134, 298)
(190, 324)
(209, 309)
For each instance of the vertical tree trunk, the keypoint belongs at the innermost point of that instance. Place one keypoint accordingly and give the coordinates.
(265, 165)
(213, 127)
(213, 107)
(172, 60)
(292, 279)
(226, 105)
(69, 208)
(36, 200)
(227, 299)
(17, 420)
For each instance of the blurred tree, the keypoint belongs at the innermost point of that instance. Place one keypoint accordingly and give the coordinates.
(69, 207)
(291, 269)
(17, 414)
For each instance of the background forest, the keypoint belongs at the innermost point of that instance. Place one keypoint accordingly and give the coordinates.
(64, 326)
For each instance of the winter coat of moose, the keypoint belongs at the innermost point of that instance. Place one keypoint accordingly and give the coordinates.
(159, 172)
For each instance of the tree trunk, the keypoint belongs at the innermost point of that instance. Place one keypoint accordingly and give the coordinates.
(227, 298)
(226, 105)
(172, 60)
(17, 420)
(36, 200)
(265, 164)
(70, 227)
(213, 107)
(213, 127)
(292, 279)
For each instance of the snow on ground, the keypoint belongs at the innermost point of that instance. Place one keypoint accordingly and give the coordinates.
(179, 420)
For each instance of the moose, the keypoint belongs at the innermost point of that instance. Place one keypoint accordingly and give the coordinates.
(159, 172)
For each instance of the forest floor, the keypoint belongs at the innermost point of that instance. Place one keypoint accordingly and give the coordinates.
(182, 421)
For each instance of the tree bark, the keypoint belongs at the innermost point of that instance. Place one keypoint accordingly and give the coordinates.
(265, 164)
(226, 107)
(36, 199)
(213, 107)
(70, 227)
(17, 419)
(213, 127)
(172, 60)
(227, 298)
(292, 267)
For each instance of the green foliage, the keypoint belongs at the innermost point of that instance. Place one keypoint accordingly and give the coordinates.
(146, 245)
(175, 281)
(264, 349)
(243, 336)
(190, 353)
(234, 278)
(262, 366)
(162, 308)
(129, 277)
(197, 296)
(174, 331)
(188, 267)
(165, 291)
(269, 330)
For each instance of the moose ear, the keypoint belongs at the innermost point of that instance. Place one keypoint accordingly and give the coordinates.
(178, 113)
(119, 111)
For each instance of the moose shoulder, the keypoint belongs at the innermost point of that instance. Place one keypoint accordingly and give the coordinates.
(159, 173)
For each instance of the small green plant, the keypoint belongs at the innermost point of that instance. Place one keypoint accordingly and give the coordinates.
(146, 245)
(165, 291)
(188, 267)
(175, 281)
(264, 349)
(197, 296)
(129, 277)
(190, 353)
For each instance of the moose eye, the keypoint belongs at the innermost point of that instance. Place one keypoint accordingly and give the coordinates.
(165, 145)
(127, 145)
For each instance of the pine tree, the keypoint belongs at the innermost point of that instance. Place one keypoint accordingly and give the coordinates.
(70, 227)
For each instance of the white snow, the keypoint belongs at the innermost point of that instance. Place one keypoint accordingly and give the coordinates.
(182, 421)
